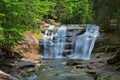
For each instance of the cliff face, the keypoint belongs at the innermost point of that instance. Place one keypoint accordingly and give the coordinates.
(30, 46)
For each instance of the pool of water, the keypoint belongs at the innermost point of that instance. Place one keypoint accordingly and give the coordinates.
(58, 70)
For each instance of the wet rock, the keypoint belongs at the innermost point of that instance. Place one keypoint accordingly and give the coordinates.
(68, 45)
(67, 52)
(26, 64)
(70, 77)
(34, 77)
(79, 32)
(69, 34)
(41, 42)
(69, 39)
(93, 72)
(80, 66)
(89, 67)
(108, 76)
(73, 62)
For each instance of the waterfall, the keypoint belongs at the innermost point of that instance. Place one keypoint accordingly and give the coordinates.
(84, 43)
(54, 43)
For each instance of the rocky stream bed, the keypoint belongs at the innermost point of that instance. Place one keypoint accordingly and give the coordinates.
(66, 69)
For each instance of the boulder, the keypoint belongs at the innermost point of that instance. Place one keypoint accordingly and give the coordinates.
(24, 64)
(5, 76)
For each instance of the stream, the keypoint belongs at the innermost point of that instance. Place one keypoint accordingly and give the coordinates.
(66, 69)
(58, 70)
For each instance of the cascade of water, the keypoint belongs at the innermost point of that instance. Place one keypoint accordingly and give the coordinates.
(48, 41)
(60, 40)
(54, 43)
(74, 36)
(85, 43)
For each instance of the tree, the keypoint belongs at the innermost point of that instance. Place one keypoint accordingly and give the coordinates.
(17, 16)
(107, 11)
(80, 11)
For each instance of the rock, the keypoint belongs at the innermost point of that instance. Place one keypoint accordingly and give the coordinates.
(97, 56)
(69, 77)
(50, 21)
(69, 39)
(109, 76)
(5, 76)
(43, 24)
(113, 59)
(69, 34)
(73, 62)
(41, 42)
(31, 46)
(67, 52)
(26, 64)
(88, 66)
(93, 72)
(80, 66)
(115, 77)
(79, 32)
(33, 77)
(68, 45)
(57, 23)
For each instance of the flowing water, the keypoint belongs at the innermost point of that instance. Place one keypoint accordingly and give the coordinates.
(84, 43)
(54, 43)
(58, 70)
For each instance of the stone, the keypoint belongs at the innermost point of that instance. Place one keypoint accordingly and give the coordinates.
(33, 77)
(115, 77)
(109, 76)
(25, 64)
(69, 39)
(73, 62)
(5, 76)
(68, 45)
(93, 72)
(69, 34)
(80, 66)
(70, 77)
(50, 21)
(67, 52)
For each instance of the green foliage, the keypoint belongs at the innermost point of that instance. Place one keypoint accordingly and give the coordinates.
(72, 11)
(35, 10)
(81, 11)
(18, 16)
(105, 12)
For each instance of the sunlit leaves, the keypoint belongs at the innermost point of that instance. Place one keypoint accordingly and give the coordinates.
(6, 1)
(80, 11)
(17, 16)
